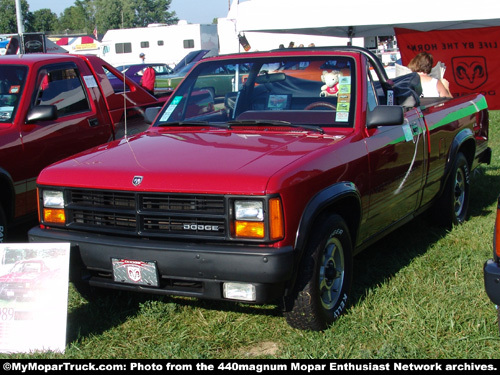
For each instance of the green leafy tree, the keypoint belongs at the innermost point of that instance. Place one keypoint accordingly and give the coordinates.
(44, 20)
(86, 15)
(8, 20)
(113, 14)
(75, 19)
(153, 11)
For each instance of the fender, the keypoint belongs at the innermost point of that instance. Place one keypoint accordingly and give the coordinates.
(7, 194)
(319, 203)
(463, 141)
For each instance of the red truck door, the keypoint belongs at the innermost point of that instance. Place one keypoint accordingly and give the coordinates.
(397, 171)
(76, 128)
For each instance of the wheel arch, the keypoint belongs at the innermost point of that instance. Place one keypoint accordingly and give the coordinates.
(7, 194)
(342, 198)
(465, 143)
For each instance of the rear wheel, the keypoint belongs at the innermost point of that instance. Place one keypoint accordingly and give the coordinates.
(324, 277)
(453, 206)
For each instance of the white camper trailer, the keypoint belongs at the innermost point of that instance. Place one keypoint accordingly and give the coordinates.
(159, 43)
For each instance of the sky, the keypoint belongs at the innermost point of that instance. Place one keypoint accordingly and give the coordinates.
(193, 11)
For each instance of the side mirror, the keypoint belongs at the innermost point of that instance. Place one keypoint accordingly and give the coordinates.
(151, 113)
(41, 113)
(385, 115)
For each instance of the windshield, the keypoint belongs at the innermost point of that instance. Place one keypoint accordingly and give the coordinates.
(296, 90)
(12, 78)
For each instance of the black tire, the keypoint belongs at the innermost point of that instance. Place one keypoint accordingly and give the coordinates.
(3, 226)
(498, 317)
(453, 206)
(324, 277)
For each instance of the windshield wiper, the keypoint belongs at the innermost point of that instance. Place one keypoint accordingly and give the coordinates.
(319, 129)
(196, 123)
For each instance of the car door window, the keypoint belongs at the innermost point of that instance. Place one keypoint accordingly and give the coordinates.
(63, 88)
(371, 92)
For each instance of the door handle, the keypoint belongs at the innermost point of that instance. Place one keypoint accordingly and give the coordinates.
(93, 122)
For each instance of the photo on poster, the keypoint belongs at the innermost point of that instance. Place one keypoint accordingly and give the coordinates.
(33, 297)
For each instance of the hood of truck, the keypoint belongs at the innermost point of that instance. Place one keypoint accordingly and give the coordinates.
(219, 161)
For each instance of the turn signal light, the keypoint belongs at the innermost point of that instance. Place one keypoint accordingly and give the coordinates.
(249, 229)
(54, 216)
(276, 221)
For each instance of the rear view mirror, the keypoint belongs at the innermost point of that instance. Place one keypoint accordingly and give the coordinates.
(270, 78)
(385, 115)
(41, 113)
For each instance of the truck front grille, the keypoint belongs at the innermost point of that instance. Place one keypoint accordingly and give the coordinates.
(147, 214)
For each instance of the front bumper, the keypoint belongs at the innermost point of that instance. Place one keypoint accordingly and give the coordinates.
(492, 280)
(187, 269)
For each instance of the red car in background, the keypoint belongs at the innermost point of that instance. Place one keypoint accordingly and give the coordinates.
(24, 279)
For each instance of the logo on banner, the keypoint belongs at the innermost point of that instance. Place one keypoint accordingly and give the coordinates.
(134, 273)
(470, 71)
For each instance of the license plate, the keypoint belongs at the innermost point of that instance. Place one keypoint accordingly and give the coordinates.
(135, 272)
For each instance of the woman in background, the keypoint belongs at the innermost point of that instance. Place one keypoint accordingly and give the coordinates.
(431, 87)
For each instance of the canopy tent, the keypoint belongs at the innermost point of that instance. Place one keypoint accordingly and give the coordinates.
(360, 18)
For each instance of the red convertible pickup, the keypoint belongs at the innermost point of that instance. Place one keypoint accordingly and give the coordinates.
(53, 106)
(254, 185)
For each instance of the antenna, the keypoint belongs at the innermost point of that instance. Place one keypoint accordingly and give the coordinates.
(125, 103)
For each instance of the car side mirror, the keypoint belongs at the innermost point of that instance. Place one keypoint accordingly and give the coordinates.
(385, 115)
(41, 113)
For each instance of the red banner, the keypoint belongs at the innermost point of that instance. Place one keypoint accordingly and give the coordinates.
(471, 56)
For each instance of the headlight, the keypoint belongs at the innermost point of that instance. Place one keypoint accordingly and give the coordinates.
(53, 199)
(53, 207)
(258, 219)
(249, 210)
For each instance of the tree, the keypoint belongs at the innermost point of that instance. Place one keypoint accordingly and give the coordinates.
(8, 20)
(85, 15)
(45, 20)
(113, 14)
(153, 11)
(75, 19)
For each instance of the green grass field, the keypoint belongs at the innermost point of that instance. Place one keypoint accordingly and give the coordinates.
(419, 293)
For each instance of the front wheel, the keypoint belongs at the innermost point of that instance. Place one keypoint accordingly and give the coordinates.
(3, 226)
(324, 277)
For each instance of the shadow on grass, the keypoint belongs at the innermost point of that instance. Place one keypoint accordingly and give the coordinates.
(376, 264)
(114, 309)
(385, 258)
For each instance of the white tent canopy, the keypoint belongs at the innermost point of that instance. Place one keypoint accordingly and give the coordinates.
(361, 18)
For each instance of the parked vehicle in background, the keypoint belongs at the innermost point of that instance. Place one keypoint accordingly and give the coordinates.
(53, 106)
(251, 187)
(167, 83)
(191, 58)
(170, 82)
(167, 78)
(135, 73)
(492, 267)
(159, 43)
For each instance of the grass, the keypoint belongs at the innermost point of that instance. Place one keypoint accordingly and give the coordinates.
(419, 293)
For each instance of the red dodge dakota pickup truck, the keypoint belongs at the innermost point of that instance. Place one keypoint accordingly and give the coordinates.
(53, 106)
(254, 185)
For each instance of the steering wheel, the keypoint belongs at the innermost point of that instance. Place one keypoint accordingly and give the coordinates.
(320, 104)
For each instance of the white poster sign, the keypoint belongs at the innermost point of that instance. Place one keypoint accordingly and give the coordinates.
(33, 297)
